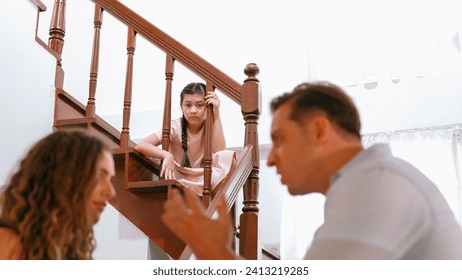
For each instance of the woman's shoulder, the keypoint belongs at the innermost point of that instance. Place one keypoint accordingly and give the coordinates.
(7, 233)
(10, 244)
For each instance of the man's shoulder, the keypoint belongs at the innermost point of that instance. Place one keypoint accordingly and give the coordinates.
(379, 158)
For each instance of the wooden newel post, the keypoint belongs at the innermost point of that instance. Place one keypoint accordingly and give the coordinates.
(58, 28)
(249, 245)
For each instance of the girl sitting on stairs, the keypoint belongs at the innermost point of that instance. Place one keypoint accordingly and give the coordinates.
(187, 140)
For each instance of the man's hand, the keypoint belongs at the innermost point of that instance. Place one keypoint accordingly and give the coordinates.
(209, 238)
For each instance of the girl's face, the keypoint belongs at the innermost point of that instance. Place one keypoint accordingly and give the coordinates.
(193, 107)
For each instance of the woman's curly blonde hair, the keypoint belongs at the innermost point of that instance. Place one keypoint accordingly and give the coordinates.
(46, 199)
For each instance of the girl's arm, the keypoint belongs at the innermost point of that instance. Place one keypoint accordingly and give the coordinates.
(148, 147)
(219, 141)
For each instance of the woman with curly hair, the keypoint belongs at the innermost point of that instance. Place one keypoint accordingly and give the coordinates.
(50, 204)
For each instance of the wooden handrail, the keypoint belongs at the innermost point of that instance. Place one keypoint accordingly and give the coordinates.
(59, 72)
(235, 180)
(171, 46)
(39, 5)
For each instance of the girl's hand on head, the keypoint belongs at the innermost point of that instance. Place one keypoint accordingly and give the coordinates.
(212, 98)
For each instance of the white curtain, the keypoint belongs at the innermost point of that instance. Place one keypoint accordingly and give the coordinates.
(435, 151)
(301, 216)
(401, 62)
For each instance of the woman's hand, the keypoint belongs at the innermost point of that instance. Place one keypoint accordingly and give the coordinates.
(168, 166)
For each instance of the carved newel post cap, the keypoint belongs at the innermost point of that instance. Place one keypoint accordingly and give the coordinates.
(251, 70)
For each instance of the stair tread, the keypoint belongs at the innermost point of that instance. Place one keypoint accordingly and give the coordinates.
(154, 186)
(86, 120)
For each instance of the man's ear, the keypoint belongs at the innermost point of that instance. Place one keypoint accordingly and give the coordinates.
(321, 128)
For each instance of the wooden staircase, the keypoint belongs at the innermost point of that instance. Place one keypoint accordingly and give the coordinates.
(140, 191)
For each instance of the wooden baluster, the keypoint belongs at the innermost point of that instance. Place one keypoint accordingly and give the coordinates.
(249, 246)
(169, 72)
(58, 28)
(98, 22)
(207, 162)
(125, 136)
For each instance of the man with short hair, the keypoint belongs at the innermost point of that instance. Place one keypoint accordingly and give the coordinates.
(377, 206)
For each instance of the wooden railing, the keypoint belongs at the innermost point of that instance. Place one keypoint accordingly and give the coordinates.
(39, 5)
(70, 112)
(172, 47)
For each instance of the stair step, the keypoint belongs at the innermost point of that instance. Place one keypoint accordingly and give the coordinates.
(96, 122)
(155, 186)
(75, 121)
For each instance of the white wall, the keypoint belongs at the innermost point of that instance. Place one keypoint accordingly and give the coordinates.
(118, 239)
(272, 34)
(26, 76)
(302, 40)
